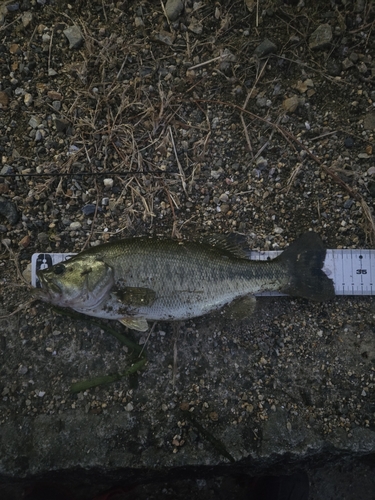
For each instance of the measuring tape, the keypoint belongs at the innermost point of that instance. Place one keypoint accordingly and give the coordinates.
(352, 271)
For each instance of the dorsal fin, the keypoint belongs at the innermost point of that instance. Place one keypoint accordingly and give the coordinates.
(231, 243)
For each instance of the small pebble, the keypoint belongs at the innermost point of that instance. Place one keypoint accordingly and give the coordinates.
(56, 105)
(261, 163)
(90, 209)
(291, 104)
(108, 183)
(22, 370)
(321, 37)
(173, 9)
(74, 36)
(35, 121)
(4, 99)
(28, 99)
(264, 48)
(8, 209)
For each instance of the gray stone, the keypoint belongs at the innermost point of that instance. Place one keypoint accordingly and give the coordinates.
(261, 163)
(38, 136)
(291, 104)
(138, 22)
(13, 7)
(195, 26)
(348, 204)
(9, 211)
(61, 124)
(362, 68)
(74, 36)
(56, 105)
(333, 67)
(261, 102)
(265, 48)
(347, 63)
(369, 121)
(43, 238)
(173, 9)
(35, 121)
(27, 17)
(163, 37)
(321, 37)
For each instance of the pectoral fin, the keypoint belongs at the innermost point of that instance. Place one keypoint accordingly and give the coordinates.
(134, 296)
(241, 308)
(139, 324)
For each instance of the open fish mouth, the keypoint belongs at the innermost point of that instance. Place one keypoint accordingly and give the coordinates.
(48, 286)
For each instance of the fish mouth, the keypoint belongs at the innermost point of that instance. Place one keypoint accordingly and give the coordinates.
(48, 286)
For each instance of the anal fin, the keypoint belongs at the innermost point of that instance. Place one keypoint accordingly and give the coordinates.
(241, 308)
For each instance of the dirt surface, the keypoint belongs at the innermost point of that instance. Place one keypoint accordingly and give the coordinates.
(138, 118)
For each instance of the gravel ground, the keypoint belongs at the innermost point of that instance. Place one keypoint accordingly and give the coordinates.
(133, 118)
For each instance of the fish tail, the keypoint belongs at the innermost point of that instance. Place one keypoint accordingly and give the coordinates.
(305, 258)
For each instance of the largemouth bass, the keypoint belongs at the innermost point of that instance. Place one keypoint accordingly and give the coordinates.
(139, 280)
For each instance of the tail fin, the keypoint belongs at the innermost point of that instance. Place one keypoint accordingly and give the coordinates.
(305, 259)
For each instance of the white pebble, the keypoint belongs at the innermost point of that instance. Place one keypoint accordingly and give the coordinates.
(28, 99)
(108, 183)
(75, 225)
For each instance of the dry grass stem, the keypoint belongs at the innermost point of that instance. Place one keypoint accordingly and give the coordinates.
(180, 169)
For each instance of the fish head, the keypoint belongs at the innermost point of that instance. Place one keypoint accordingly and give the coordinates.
(81, 282)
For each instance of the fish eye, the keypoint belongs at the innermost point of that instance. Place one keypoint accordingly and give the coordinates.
(59, 269)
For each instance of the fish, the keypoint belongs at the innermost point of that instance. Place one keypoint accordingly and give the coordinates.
(138, 280)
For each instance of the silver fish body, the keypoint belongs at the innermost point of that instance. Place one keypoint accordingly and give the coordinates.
(139, 280)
